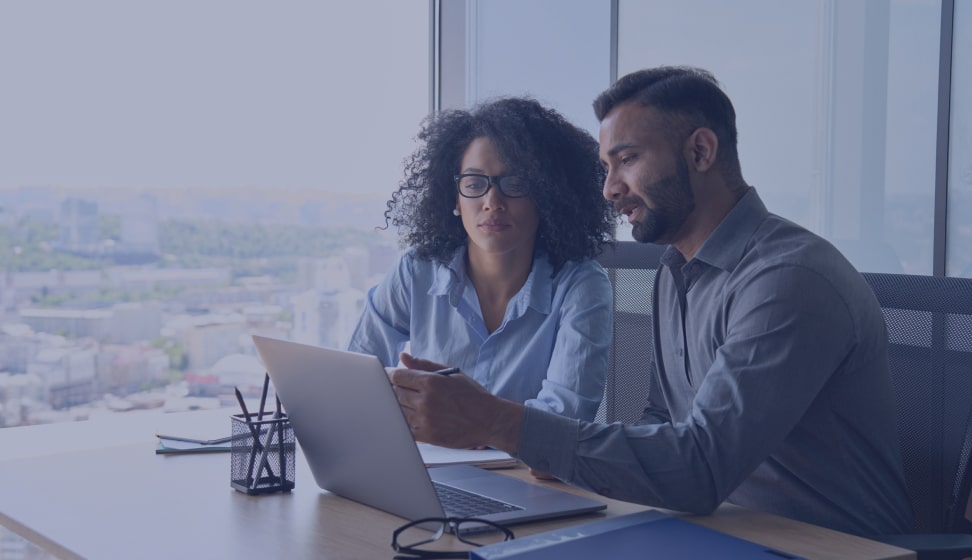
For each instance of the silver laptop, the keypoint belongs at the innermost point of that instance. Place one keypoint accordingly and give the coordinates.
(357, 443)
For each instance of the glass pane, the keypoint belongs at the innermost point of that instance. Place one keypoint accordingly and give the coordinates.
(558, 52)
(179, 175)
(836, 106)
(14, 547)
(959, 239)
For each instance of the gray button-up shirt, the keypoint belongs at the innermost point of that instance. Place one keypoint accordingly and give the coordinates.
(772, 389)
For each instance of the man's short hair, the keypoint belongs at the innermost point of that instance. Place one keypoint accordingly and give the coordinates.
(689, 97)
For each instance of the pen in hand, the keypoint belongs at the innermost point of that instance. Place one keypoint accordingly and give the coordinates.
(447, 371)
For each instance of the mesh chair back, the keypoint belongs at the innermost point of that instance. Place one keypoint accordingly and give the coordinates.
(930, 330)
(631, 267)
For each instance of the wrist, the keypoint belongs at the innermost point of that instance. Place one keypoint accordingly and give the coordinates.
(504, 431)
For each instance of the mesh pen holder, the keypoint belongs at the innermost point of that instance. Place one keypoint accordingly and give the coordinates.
(262, 454)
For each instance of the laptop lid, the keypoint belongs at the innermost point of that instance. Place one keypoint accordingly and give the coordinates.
(357, 443)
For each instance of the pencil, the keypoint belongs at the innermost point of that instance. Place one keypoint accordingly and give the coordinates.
(447, 371)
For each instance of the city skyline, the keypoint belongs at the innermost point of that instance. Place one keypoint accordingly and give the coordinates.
(309, 207)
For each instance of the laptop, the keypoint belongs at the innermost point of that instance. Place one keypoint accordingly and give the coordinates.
(358, 445)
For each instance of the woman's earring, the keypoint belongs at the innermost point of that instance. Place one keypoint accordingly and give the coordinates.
(455, 212)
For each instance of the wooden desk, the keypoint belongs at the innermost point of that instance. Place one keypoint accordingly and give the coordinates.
(124, 501)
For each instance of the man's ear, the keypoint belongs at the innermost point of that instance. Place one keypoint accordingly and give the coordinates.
(701, 149)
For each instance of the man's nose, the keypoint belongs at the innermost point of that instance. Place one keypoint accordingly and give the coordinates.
(614, 187)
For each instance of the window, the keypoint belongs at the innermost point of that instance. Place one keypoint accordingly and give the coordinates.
(959, 237)
(179, 175)
(558, 53)
(836, 107)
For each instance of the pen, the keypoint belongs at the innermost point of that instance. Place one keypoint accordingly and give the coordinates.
(280, 438)
(264, 462)
(216, 441)
(263, 396)
(239, 399)
(447, 371)
(255, 432)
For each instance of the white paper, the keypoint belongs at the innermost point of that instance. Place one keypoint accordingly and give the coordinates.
(434, 455)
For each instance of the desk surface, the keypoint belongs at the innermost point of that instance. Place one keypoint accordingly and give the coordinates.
(123, 501)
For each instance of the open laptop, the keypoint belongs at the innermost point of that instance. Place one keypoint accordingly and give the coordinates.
(357, 443)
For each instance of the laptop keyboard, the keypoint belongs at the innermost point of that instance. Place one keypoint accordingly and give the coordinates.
(460, 503)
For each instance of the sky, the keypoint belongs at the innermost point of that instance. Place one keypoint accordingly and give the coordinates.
(211, 93)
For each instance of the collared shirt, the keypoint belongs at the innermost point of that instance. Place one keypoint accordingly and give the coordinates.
(550, 352)
(771, 389)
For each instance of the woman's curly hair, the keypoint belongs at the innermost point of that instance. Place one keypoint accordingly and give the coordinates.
(559, 160)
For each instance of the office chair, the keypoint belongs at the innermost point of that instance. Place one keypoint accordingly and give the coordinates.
(929, 323)
(631, 267)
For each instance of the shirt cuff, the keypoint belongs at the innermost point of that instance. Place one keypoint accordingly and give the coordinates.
(548, 442)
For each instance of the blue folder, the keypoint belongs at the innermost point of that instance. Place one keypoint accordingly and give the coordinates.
(647, 534)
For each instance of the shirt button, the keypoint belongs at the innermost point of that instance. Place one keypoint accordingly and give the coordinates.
(680, 351)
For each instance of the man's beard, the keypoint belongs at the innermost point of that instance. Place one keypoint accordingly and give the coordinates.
(673, 200)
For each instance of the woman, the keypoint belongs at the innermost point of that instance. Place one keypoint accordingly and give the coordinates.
(502, 209)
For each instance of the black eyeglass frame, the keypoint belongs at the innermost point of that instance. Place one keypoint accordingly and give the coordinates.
(491, 181)
(413, 551)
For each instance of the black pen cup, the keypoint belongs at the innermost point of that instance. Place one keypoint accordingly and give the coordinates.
(262, 454)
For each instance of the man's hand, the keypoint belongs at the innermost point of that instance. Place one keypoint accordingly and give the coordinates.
(453, 410)
(539, 475)
(411, 362)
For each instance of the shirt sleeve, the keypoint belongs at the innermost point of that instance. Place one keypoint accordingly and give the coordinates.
(574, 384)
(787, 332)
(383, 328)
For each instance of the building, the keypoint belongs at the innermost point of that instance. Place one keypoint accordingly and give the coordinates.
(123, 370)
(326, 317)
(139, 230)
(121, 323)
(80, 230)
(68, 372)
(17, 392)
(211, 338)
(233, 371)
(17, 344)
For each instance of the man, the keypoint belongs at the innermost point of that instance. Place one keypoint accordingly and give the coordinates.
(772, 387)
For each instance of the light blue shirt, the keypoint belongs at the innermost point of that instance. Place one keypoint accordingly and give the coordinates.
(771, 389)
(550, 352)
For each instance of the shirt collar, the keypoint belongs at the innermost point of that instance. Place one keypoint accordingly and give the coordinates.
(726, 244)
(450, 280)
